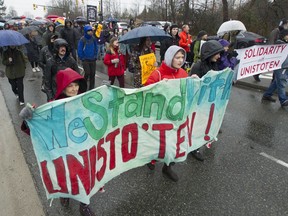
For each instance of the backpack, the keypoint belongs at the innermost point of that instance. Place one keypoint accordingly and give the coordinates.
(192, 49)
(84, 40)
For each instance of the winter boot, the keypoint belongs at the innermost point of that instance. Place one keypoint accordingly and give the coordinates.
(168, 172)
(64, 202)
(85, 210)
(197, 155)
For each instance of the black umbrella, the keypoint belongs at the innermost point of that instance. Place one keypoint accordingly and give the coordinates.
(36, 23)
(81, 19)
(134, 36)
(29, 29)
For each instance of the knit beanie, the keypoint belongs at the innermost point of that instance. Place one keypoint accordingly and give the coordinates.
(201, 34)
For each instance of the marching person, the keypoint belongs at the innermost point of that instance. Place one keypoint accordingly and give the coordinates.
(15, 64)
(69, 83)
(87, 53)
(46, 53)
(115, 62)
(134, 66)
(61, 60)
(174, 40)
(210, 55)
(69, 34)
(185, 41)
(280, 78)
(124, 49)
(33, 51)
(170, 68)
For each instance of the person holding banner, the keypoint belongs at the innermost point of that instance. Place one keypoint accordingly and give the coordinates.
(170, 68)
(210, 56)
(280, 78)
(134, 66)
(115, 62)
(69, 83)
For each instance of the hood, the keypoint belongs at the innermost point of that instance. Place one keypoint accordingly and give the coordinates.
(66, 21)
(64, 78)
(210, 48)
(86, 29)
(51, 24)
(170, 53)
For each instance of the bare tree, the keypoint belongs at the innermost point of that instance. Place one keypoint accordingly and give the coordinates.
(225, 10)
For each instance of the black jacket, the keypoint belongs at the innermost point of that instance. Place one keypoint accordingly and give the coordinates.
(209, 49)
(165, 44)
(53, 65)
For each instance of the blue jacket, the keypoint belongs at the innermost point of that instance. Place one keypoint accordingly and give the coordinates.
(87, 46)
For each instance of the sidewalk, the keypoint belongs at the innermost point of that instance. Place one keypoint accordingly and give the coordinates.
(18, 193)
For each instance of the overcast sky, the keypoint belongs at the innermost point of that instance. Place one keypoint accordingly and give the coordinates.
(22, 6)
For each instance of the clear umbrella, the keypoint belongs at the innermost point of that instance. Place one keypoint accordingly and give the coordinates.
(231, 25)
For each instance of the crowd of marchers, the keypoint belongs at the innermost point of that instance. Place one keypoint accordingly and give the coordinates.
(68, 60)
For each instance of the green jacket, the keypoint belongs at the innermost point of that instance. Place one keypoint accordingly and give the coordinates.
(16, 68)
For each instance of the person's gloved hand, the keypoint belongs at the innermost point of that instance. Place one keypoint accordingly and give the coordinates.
(27, 112)
(115, 61)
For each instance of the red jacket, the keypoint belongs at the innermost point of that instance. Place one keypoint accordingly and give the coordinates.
(120, 67)
(185, 40)
(165, 73)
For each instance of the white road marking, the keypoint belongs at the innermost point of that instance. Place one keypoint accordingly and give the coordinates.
(274, 159)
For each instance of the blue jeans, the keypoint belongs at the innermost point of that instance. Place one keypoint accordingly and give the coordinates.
(279, 83)
(101, 51)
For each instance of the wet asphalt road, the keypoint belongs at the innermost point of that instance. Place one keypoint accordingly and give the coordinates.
(235, 179)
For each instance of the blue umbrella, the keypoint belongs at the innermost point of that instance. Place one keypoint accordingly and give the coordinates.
(134, 36)
(12, 38)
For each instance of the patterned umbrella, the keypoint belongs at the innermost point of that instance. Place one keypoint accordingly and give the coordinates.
(59, 20)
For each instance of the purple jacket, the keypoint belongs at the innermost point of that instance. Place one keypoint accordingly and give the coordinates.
(226, 61)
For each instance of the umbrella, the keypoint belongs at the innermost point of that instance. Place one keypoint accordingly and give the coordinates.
(80, 19)
(59, 20)
(231, 25)
(12, 38)
(29, 29)
(134, 35)
(36, 23)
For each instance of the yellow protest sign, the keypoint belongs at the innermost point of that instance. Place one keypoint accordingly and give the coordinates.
(147, 65)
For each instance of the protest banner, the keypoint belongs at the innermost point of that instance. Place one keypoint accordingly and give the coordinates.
(147, 66)
(84, 141)
(260, 58)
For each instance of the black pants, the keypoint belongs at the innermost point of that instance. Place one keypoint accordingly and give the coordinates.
(34, 64)
(90, 71)
(18, 87)
(120, 80)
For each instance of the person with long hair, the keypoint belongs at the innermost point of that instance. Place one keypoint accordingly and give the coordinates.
(134, 66)
(115, 62)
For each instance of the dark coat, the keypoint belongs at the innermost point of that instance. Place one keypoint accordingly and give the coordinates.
(53, 66)
(165, 44)
(209, 49)
(69, 34)
(33, 50)
(16, 68)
